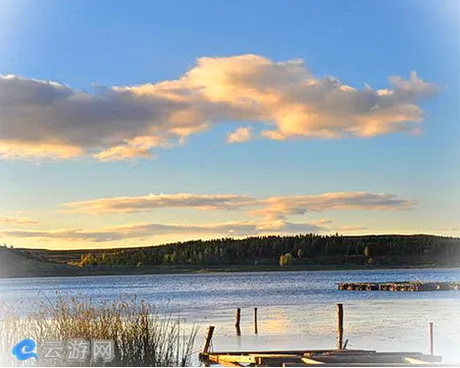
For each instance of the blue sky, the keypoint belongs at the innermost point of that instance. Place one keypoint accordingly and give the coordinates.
(390, 181)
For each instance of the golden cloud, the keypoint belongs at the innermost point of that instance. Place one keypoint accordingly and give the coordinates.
(148, 230)
(6, 220)
(272, 208)
(46, 119)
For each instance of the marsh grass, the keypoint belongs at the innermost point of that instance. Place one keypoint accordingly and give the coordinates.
(141, 336)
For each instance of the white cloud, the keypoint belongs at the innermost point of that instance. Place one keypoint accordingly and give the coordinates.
(352, 228)
(273, 212)
(46, 119)
(272, 208)
(152, 201)
(17, 221)
(148, 230)
(321, 222)
(280, 207)
(242, 134)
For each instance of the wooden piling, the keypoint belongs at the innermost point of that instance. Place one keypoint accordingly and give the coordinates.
(207, 341)
(339, 326)
(256, 331)
(431, 338)
(237, 321)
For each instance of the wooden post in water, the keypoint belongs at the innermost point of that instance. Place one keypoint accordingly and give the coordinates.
(237, 321)
(207, 342)
(339, 326)
(431, 338)
(256, 331)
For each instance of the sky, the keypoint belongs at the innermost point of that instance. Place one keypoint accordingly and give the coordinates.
(129, 123)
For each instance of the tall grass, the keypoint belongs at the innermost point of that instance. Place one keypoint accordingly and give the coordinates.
(141, 336)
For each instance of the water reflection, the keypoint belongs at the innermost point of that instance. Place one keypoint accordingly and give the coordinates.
(296, 310)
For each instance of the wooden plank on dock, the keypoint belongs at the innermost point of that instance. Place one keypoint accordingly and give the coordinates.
(377, 358)
(339, 352)
(415, 361)
(231, 364)
(311, 361)
(296, 352)
(220, 359)
(434, 365)
(277, 361)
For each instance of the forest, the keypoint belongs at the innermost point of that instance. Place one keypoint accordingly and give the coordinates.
(306, 249)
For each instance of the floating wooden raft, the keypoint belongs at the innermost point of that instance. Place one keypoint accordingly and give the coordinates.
(302, 358)
(399, 286)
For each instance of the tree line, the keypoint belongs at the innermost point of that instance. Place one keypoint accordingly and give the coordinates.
(301, 249)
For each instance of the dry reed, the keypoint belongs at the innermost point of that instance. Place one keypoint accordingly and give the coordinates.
(142, 337)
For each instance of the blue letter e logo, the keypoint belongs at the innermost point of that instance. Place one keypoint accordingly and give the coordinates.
(25, 350)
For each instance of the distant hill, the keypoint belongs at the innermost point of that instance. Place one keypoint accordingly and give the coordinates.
(15, 262)
(302, 251)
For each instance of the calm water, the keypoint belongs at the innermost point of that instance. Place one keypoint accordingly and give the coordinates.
(296, 309)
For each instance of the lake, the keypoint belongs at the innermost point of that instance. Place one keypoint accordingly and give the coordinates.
(297, 310)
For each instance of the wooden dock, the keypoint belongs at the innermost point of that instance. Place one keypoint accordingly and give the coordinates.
(305, 358)
(341, 356)
(399, 286)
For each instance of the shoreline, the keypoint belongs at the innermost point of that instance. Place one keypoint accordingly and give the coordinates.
(197, 270)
